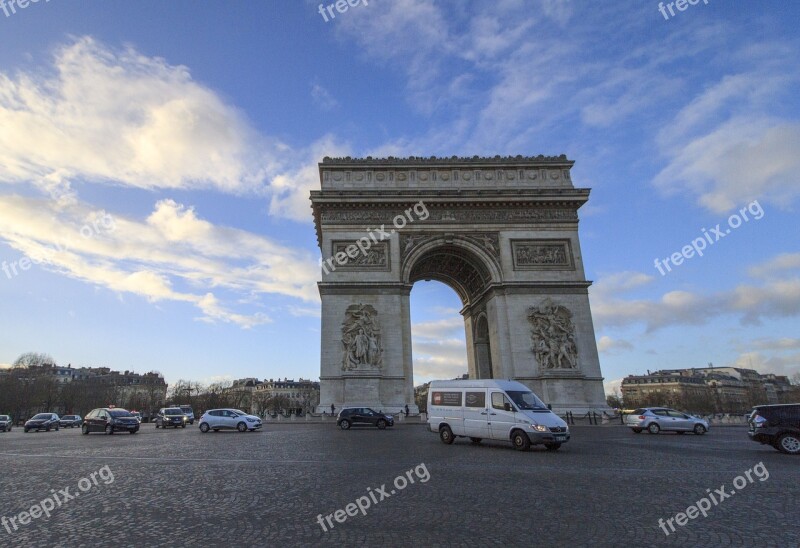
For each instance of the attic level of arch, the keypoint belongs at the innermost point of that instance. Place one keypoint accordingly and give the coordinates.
(365, 209)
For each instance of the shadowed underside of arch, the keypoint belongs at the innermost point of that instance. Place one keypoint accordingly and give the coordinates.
(455, 267)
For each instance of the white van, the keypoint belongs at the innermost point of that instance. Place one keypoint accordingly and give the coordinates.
(493, 409)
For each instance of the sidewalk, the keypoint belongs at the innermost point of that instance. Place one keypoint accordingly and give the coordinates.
(412, 420)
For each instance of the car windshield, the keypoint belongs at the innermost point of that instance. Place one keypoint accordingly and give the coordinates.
(120, 413)
(5, 418)
(173, 412)
(526, 400)
(41, 417)
(186, 410)
(240, 413)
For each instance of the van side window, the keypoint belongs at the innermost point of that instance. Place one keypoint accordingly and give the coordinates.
(475, 399)
(498, 401)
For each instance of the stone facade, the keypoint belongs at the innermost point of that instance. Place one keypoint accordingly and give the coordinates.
(502, 232)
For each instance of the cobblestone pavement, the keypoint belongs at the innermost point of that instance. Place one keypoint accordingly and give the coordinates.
(606, 487)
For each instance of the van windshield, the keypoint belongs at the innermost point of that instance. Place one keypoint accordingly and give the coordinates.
(526, 400)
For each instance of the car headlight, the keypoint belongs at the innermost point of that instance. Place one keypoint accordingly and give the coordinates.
(539, 427)
(249, 419)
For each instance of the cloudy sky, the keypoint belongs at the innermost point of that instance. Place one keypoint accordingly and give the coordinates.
(156, 160)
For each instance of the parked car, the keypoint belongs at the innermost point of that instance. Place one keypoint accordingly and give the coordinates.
(110, 420)
(6, 423)
(228, 419)
(493, 409)
(362, 416)
(656, 419)
(170, 416)
(70, 421)
(189, 412)
(777, 425)
(42, 421)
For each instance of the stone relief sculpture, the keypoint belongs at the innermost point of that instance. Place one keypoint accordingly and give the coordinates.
(361, 339)
(553, 336)
(541, 254)
(375, 257)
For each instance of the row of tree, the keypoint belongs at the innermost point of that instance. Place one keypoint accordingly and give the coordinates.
(224, 395)
(24, 393)
(712, 402)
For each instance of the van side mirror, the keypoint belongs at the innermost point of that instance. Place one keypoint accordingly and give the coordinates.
(550, 406)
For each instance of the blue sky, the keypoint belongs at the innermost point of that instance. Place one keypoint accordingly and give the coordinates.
(156, 160)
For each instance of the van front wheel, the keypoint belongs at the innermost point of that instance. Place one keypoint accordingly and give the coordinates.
(446, 435)
(520, 440)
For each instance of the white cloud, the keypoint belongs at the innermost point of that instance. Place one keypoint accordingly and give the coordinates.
(291, 188)
(608, 345)
(438, 347)
(173, 255)
(779, 344)
(777, 265)
(613, 387)
(322, 98)
(741, 160)
(119, 117)
(779, 365)
(751, 302)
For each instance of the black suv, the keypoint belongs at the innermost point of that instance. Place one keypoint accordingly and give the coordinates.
(361, 416)
(777, 425)
(171, 416)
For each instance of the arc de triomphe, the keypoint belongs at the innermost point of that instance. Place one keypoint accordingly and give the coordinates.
(502, 232)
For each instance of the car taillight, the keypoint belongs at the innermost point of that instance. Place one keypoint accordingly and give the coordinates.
(641, 417)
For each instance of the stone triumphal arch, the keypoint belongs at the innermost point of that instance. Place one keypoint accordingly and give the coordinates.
(502, 232)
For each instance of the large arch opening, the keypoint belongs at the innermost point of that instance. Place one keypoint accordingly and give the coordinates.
(438, 343)
(449, 341)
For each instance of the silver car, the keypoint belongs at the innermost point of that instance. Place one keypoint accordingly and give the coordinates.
(228, 419)
(656, 419)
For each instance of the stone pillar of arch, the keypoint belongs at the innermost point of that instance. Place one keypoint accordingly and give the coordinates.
(502, 232)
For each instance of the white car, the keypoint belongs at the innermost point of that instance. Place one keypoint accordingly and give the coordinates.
(230, 419)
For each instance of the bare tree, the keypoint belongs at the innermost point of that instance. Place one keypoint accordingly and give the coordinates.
(29, 359)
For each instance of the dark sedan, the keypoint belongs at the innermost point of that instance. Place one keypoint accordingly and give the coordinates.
(110, 420)
(70, 421)
(42, 421)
